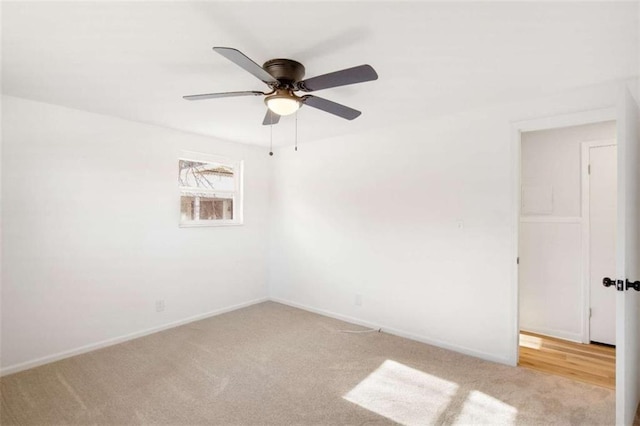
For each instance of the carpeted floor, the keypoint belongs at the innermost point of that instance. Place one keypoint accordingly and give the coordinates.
(270, 364)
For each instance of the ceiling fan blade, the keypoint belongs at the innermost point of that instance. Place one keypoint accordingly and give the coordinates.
(354, 75)
(270, 118)
(221, 95)
(240, 59)
(331, 107)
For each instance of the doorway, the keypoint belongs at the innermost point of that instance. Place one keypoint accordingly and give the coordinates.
(566, 245)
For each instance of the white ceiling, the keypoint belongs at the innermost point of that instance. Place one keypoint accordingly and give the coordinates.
(135, 60)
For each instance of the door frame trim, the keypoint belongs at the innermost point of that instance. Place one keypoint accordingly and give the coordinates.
(517, 128)
(586, 230)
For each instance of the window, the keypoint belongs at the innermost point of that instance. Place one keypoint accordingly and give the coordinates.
(210, 191)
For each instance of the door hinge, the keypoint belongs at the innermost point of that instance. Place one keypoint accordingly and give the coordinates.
(517, 260)
(589, 169)
(590, 313)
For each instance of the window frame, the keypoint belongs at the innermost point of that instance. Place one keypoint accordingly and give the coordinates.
(236, 194)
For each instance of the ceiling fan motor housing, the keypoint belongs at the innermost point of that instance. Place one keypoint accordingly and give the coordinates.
(286, 71)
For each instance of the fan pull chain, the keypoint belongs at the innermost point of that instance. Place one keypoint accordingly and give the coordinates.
(296, 130)
(271, 133)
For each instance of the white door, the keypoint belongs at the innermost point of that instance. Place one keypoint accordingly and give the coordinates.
(602, 241)
(628, 261)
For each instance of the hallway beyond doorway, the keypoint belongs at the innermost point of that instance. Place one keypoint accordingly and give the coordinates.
(589, 363)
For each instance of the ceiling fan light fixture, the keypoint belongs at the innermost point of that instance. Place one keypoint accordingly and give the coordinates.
(283, 103)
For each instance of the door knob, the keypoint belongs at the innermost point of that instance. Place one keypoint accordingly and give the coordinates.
(621, 285)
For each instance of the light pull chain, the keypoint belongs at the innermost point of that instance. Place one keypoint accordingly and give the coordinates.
(271, 133)
(296, 130)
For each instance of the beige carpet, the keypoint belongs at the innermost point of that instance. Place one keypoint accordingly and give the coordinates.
(276, 365)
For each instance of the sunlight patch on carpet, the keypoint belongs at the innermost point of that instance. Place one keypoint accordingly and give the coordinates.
(403, 394)
(480, 408)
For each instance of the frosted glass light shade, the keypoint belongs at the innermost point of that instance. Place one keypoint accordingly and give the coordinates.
(282, 105)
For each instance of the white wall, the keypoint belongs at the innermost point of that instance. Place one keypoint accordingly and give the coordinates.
(551, 264)
(551, 279)
(91, 240)
(551, 158)
(418, 218)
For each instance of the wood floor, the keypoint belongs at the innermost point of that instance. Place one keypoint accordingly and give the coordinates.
(592, 363)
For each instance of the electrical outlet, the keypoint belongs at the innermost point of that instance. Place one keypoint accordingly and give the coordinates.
(160, 305)
(358, 300)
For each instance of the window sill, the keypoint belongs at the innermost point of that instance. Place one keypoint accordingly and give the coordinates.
(208, 224)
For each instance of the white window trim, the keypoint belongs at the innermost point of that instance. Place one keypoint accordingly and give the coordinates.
(237, 194)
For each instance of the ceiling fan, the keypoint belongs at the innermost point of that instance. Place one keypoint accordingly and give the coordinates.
(285, 77)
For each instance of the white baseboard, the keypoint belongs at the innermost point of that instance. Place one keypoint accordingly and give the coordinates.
(397, 332)
(114, 341)
(560, 334)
